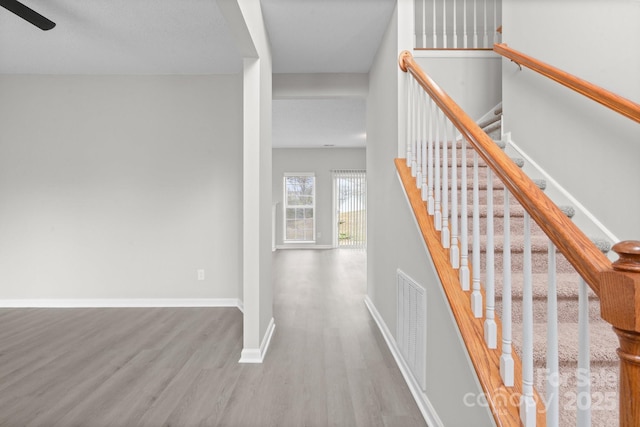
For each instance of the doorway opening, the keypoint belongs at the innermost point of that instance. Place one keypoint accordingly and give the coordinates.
(350, 202)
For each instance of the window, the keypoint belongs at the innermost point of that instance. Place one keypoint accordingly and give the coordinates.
(299, 207)
(350, 201)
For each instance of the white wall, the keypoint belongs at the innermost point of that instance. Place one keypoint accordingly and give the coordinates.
(321, 161)
(120, 186)
(471, 79)
(320, 85)
(394, 242)
(590, 151)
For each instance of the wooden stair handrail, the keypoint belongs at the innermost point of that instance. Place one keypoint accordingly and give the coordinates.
(617, 285)
(609, 99)
(579, 250)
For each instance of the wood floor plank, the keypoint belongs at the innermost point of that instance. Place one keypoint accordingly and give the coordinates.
(328, 365)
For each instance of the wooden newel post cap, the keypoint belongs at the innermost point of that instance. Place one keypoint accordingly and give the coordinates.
(629, 253)
(403, 54)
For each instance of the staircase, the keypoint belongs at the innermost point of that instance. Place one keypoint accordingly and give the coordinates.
(606, 354)
(603, 342)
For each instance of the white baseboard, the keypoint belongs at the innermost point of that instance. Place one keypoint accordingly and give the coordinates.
(119, 302)
(428, 411)
(304, 246)
(257, 355)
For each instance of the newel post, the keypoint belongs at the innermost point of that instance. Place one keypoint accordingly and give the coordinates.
(620, 306)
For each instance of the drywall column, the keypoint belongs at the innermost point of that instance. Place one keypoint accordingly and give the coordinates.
(244, 18)
(257, 287)
(251, 207)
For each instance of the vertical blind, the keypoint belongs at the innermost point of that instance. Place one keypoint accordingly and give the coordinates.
(350, 190)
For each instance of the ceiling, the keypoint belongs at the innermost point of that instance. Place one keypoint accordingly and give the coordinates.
(119, 37)
(192, 37)
(326, 123)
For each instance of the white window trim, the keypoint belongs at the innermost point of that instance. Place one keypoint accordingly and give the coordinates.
(284, 207)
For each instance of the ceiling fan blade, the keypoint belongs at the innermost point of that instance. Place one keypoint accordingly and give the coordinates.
(28, 14)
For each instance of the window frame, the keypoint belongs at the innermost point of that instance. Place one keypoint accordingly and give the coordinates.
(285, 206)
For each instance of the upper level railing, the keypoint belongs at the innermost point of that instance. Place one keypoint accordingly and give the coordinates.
(609, 99)
(457, 24)
(436, 125)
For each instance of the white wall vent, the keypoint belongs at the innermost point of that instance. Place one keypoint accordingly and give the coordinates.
(412, 327)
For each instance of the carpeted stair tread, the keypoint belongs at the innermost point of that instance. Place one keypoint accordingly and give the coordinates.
(539, 243)
(469, 161)
(517, 211)
(469, 147)
(567, 286)
(567, 310)
(491, 129)
(566, 297)
(602, 244)
(567, 210)
(496, 118)
(497, 184)
(603, 343)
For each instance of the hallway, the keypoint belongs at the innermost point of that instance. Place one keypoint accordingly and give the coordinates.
(123, 367)
(349, 376)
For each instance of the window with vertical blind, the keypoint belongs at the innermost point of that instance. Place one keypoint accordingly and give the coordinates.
(350, 201)
(299, 207)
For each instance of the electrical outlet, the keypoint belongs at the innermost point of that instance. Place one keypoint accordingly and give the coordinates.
(201, 274)
(319, 234)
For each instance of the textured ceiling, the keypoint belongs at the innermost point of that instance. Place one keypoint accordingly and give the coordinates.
(302, 123)
(189, 37)
(329, 36)
(119, 37)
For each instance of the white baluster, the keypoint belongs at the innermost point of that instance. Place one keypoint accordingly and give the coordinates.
(455, 25)
(506, 358)
(490, 326)
(583, 400)
(414, 163)
(445, 235)
(435, 34)
(475, 24)
(438, 173)
(464, 221)
(431, 199)
(410, 118)
(465, 36)
(424, 23)
(553, 376)
(527, 402)
(485, 38)
(476, 296)
(415, 27)
(444, 24)
(496, 35)
(419, 165)
(416, 125)
(454, 251)
(423, 141)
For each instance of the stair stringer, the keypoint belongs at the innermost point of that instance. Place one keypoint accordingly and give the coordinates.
(583, 218)
(502, 401)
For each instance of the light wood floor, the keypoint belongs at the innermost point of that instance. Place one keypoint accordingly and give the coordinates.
(327, 366)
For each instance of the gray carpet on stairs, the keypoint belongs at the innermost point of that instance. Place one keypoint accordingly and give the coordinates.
(603, 341)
